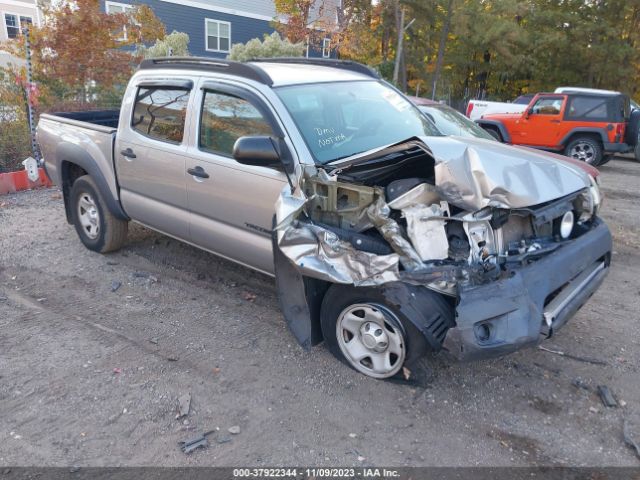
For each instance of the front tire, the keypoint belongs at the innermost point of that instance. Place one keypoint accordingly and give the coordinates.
(494, 133)
(585, 149)
(363, 330)
(99, 230)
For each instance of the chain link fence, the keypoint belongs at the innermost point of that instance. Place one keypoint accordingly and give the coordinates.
(15, 138)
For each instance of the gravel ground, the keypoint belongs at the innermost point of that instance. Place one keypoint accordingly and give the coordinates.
(96, 349)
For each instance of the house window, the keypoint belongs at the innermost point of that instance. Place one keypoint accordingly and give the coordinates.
(15, 24)
(218, 35)
(326, 50)
(114, 7)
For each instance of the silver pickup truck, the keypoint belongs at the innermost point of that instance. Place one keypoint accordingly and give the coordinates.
(386, 239)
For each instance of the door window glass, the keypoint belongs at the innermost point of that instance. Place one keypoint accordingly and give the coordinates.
(547, 106)
(225, 118)
(160, 113)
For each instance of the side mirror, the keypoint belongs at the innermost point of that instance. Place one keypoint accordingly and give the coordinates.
(528, 112)
(256, 150)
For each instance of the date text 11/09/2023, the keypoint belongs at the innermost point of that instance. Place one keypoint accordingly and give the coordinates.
(303, 473)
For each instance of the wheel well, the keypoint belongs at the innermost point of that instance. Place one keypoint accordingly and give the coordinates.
(69, 173)
(493, 128)
(591, 135)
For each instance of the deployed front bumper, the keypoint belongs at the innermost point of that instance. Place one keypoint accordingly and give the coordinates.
(506, 315)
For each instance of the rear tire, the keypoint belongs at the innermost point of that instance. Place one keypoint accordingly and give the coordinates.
(99, 230)
(585, 149)
(363, 330)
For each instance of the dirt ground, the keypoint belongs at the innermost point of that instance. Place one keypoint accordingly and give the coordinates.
(96, 349)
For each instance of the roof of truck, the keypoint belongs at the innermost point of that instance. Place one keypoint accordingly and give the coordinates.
(273, 72)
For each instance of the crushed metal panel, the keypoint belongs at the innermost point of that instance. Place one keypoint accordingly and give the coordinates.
(297, 300)
(319, 253)
(427, 234)
(378, 212)
(474, 173)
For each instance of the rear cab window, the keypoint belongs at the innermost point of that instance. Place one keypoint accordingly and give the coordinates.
(160, 112)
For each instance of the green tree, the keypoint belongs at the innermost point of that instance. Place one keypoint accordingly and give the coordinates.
(175, 44)
(272, 46)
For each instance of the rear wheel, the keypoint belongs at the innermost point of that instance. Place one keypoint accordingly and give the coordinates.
(98, 229)
(586, 149)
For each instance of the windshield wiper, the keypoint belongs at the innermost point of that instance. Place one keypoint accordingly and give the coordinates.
(343, 157)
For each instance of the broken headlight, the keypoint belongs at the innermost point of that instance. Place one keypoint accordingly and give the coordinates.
(589, 202)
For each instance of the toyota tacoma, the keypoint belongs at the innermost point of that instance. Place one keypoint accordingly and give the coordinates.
(386, 239)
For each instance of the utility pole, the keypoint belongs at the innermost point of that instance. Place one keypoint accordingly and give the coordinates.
(401, 29)
(441, 48)
(32, 163)
(29, 86)
(396, 68)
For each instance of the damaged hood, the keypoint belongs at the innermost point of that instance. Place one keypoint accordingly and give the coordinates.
(473, 173)
(476, 173)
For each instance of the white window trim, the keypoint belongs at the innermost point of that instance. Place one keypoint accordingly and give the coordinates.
(125, 7)
(326, 43)
(206, 35)
(4, 22)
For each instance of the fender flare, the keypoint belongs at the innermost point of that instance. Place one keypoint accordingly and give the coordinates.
(499, 125)
(73, 154)
(599, 131)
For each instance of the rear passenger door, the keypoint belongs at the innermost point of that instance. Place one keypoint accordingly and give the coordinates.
(232, 205)
(149, 156)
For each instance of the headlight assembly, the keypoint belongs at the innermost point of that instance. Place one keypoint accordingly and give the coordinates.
(589, 202)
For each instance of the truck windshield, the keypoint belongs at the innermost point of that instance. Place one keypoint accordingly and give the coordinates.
(340, 119)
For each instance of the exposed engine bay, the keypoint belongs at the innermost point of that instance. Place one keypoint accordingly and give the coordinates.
(422, 213)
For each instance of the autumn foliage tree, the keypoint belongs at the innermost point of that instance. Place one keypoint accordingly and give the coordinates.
(79, 47)
(354, 27)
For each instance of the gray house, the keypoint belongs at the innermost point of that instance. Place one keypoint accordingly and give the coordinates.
(14, 16)
(214, 25)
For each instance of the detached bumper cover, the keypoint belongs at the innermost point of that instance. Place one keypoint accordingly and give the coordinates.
(536, 300)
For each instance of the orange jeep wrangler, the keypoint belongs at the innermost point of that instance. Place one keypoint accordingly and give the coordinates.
(586, 126)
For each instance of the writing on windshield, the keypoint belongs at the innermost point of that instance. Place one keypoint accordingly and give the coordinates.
(340, 119)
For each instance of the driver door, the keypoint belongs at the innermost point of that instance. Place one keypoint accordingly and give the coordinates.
(540, 126)
(231, 205)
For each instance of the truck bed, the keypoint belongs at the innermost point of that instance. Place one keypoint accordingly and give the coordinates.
(86, 137)
(104, 118)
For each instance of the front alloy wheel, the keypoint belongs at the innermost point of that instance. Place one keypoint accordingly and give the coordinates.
(371, 340)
